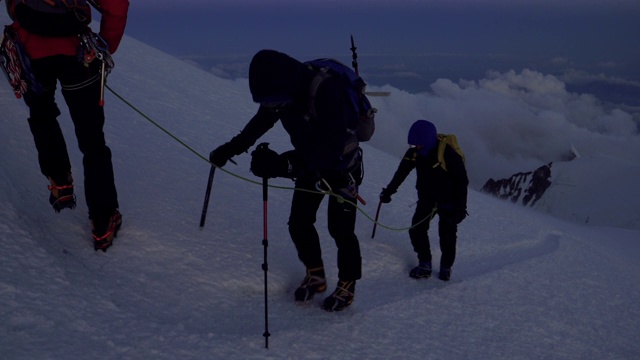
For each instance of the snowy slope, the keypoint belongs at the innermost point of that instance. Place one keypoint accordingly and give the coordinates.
(525, 285)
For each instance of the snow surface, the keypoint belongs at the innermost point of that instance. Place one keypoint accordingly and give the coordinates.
(526, 285)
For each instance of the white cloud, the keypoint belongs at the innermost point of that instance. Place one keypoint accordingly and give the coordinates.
(582, 77)
(511, 122)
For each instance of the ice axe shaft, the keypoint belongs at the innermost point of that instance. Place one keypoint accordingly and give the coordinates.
(207, 194)
(375, 224)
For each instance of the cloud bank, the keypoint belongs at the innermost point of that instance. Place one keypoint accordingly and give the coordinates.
(510, 122)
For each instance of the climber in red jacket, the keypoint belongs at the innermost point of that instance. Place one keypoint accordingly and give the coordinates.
(56, 45)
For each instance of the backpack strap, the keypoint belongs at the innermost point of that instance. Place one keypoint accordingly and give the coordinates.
(321, 75)
(313, 89)
(352, 145)
(443, 141)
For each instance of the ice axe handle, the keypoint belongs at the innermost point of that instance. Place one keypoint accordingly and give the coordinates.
(375, 224)
(207, 194)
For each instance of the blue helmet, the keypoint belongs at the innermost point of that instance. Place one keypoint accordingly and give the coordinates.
(423, 133)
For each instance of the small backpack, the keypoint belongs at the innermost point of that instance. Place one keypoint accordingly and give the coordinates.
(52, 18)
(355, 88)
(443, 141)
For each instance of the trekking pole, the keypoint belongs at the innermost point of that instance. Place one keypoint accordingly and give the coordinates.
(207, 194)
(265, 266)
(354, 63)
(375, 224)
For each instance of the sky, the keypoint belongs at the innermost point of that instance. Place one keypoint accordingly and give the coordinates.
(525, 284)
(410, 44)
(385, 2)
(461, 28)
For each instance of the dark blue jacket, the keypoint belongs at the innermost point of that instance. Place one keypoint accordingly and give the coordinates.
(320, 140)
(434, 184)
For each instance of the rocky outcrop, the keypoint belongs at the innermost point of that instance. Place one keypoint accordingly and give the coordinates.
(525, 188)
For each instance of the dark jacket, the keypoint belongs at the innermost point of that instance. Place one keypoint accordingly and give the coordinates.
(320, 140)
(434, 184)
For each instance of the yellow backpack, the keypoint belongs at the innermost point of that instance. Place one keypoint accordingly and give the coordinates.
(443, 141)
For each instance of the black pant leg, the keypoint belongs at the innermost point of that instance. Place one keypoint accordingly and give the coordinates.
(81, 90)
(302, 219)
(447, 230)
(53, 157)
(419, 233)
(342, 223)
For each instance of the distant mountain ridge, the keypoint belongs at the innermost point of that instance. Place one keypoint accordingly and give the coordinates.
(524, 188)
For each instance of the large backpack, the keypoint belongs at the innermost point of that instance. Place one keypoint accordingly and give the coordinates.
(444, 140)
(53, 18)
(355, 87)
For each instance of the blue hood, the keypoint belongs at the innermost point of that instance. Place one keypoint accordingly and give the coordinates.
(275, 77)
(423, 133)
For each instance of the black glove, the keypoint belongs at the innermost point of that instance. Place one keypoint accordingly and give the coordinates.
(452, 213)
(266, 163)
(221, 155)
(385, 196)
(294, 164)
(459, 214)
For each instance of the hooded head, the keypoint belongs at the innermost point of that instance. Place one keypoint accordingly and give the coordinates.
(423, 134)
(274, 77)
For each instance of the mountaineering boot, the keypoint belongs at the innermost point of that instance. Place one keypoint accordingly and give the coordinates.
(104, 230)
(445, 274)
(314, 282)
(341, 297)
(62, 195)
(423, 270)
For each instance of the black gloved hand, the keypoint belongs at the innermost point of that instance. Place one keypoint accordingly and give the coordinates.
(385, 196)
(459, 214)
(294, 164)
(266, 163)
(221, 154)
(452, 213)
